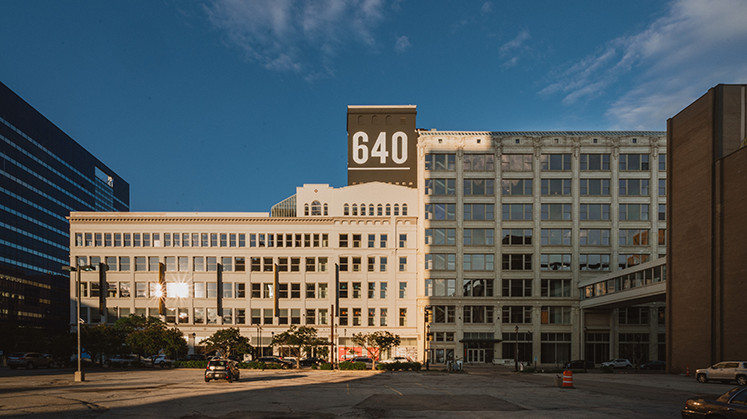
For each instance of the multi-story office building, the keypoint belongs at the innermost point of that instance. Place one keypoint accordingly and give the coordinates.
(45, 176)
(259, 273)
(499, 232)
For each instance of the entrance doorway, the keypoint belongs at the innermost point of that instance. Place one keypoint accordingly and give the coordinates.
(475, 356)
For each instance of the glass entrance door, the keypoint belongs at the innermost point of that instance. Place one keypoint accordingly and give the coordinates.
(476, 356)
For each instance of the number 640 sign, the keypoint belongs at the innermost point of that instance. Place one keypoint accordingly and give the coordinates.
(362, 152)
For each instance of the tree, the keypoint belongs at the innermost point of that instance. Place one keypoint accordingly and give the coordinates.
(302, 339)
(100, 340)
(149, 336)
(376, 342)
(228, 342)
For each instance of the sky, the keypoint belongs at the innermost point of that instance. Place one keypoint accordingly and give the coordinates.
(229, 105)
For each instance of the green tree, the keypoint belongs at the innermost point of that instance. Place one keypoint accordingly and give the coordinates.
(100, 340)
(228, 342)
(376, 342)
(174, 343)
(149, 336)
(302, 340)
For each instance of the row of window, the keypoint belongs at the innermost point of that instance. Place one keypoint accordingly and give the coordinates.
(380, 210)
(356, 240)
(443, 162)
(548, 237)
(548, 187)
(627, 212)
(201, 240)
(523, 261)
(485, 288)
(625, 282)
(509, 314)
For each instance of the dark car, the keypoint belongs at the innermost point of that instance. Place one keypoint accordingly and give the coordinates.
(273, 360)
(580, 364)
(732, 404)
(222, 369)
(29, 360)
(654, 365)
(312, 361)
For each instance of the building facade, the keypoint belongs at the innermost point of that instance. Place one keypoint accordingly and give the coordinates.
(343, 257)
(45, 176)
(708, 193)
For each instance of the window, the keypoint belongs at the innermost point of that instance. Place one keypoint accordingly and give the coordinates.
(478, 262)
(382, 317)
(310, 316)
(520, 236)
(440, 287)
(343, 291)
(556, 347)
(440, 236)
(371, 241)
(227, 264)
(343, 316)
(662, 212)
(556, 211)
(633, 212)
(153, 263)
(517, 287)
(552, 187)
(383, 290)
(516, 162)
(402, 241)
(310, 264)
(440, 261)
(184, 263)
(440, 211)
(594, 237)
(140, 264)
(295, 290)
(372, 317)
(556, 288)
(227, 290)
(356, 264)
(515, 212)
(595, 162)
(555, 262)
(124, 263)
(478, 187)
(516, 187)
(199, 290)
(594, 211)
(316, 208)
(556, 237)
(282, 290)
(517, 262)
(633, 162)
(631, 237)
(211, 263)
(356, 290)
(478, 212)
(443, 314)
(383, 240)
(322, 290)
(440, 186)
(322, 264)
(170, 263)
(662, 238)
(555, 162)
(283, 316)
(479, 236)
(267, 316)
(633, 315)
(403, 317)
(477, 287)
(382, 263)
(662, 162)
(240, 290)
(633, 187)
(440, 162)
(478, 162)
(594, 187)
(343, 240)
(478, 314)
(594, 262)
(662, 187)
(627, 261)
(517, 314)
(310, 290)
(356, 240)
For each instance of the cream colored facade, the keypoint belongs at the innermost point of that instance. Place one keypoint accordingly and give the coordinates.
(219, 266)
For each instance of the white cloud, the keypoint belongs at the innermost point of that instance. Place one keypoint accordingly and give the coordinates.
(511, 47)
(487, 7)
(301, 36)
(516, 42)
(696, 45)
(402, 44)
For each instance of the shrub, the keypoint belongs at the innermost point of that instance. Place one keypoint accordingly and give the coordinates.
(399, 366)
(607, 369)
(326, 366)
(314, 367)
(347, 365)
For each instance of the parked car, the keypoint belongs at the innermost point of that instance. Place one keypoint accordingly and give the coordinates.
(29, 360)
(580, 364)
(312, 361)
(162, 361)
(395, 359)
(131, 360)
(275, 360)
(618, 363)
(653, 365)
(724, 372)
(222, 369)
(732, 404)
(193, 357)
(364, 359)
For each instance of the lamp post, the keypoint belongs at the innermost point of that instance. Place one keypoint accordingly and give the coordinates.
(79, 376)
(259, 341)
(516, 350)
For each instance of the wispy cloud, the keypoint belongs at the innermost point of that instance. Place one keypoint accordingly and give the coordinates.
(300, 36)
(487, 7)
(402, 44)
(510, 47)
(696, 45)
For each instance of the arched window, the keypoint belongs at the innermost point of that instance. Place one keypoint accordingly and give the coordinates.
(396, 209)
(404, 209)
(363, 209)
(355, 209)
(370, 210)
(316, 208)
(326, 209)
(306, 209)
(379, 210)
(388, 210)
(346, 210)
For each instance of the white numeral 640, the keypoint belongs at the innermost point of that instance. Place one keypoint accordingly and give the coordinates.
(399, 147)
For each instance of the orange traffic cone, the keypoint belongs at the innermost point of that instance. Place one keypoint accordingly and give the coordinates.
(687, 371)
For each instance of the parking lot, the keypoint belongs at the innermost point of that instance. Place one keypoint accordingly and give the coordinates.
(482, 392)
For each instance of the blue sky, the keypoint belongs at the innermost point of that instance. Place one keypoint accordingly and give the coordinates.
(228, 105)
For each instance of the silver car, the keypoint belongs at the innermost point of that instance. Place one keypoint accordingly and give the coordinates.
(29, 360)
(724, 371)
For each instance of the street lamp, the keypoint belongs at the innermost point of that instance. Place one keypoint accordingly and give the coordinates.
(259, 341)
(79, 376)
(516, 350)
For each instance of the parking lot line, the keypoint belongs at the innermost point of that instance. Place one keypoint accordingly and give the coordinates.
(393, 390)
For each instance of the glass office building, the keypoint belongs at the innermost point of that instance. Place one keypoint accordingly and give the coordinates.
(44, 175)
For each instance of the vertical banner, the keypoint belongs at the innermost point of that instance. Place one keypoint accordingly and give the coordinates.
(336, 313)
(276, 280)
(103, 290)
(162, 288)
(219, 294)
